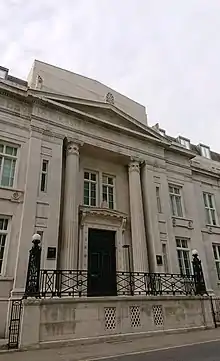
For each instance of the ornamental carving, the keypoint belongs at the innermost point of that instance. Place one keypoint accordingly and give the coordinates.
(16, 196)
(72, 148)
(109, 98)
(134, 166)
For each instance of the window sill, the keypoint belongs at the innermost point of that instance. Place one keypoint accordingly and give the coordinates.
(5, 278)
(11, 194)
(182, 222)
(211, 229)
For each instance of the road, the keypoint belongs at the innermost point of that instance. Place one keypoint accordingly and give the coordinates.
(190, 346)
(201, 352)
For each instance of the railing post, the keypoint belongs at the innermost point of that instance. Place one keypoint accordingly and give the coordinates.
(200, 288)
(32, 288)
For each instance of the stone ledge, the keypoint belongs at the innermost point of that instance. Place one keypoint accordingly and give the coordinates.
(45, 301)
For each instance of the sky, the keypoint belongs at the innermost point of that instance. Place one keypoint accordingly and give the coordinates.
(164, 54)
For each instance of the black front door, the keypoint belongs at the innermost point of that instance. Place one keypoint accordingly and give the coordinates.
(101, 263)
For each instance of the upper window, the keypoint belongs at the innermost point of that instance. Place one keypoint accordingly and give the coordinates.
(3, 239)
(209, 202)
(205, 151)
(108, 190)
(159, 208)
(44, 175)
(90, 189)
(176, 202)
(183, 254)
(184, 142)
(8, 157)
(216, 252)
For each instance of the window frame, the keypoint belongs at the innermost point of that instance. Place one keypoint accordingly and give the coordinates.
(184, 142)
(97, 182)
(165, 257)
(183, 250)
(4, 156)
(209, 210)
(176, 195)
(158, 199)
(46, 173)
(113, 186)
(205, 151)
(216, 246)
(6, 248)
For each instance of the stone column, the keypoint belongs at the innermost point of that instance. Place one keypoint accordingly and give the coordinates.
(139, 245)
(69, 252)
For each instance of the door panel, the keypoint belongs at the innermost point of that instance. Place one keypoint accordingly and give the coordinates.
(101, 263)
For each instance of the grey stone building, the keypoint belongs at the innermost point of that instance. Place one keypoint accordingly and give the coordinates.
(80, 166)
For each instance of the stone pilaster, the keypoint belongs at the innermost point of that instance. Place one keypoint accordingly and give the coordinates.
(139, 246)
(69, 250)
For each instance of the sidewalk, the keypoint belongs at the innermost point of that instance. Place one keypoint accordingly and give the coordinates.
(86, 352)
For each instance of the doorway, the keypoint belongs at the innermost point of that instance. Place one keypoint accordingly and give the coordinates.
(101, 263)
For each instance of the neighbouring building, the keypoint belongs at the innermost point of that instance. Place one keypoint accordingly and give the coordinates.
(80, 166)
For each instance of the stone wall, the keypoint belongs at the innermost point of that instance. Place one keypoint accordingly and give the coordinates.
(54, 320)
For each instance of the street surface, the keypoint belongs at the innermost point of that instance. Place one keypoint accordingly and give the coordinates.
(204, 346)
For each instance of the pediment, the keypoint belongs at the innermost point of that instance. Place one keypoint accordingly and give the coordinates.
(104, 112)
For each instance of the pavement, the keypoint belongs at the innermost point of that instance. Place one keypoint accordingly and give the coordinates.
(190, 346)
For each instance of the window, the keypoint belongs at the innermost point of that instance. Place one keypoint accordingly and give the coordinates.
(90, 189)
(8, 157)
(216, 251)
(165, 258)
(209, 203)
(159, 208)
(183, 256)
(184, 142)
(3, 73)
(108, 190)
(205, 151)
(175, 198)
(44, 176)
(3, 238)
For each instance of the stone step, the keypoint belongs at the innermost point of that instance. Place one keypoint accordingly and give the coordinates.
(3, 343)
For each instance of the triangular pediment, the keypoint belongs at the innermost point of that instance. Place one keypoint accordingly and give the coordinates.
(103, 112)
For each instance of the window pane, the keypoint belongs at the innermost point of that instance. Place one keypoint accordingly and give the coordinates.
(179, 207)
(104, 179)
(43, 182)
(218, 248)
(176, 191)
(213, 217)
(86, 175)
(178, 242)
(208, 218)
(184, 243)
(110, 180)
(93, 201)
(1, 148)
(44, 165)
(93, 187)
(172, 205)
(215, 252)
(205, 199)
(9, 150)
(180, 261)
(210, 201)
(187, 262)
(93, 177)
(7, 165)
(5, 224)
(218, 269)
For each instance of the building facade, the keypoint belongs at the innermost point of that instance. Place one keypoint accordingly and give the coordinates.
(80, 166)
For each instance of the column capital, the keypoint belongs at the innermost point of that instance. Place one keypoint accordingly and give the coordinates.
(72, 148)
(134, 166)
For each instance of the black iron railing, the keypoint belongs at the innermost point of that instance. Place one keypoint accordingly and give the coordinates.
(76, 283)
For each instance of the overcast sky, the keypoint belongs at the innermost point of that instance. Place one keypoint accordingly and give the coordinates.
(164, 54)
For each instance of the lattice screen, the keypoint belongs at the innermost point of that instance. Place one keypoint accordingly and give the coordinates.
(110, 318)
(158, 315)
(135, 316)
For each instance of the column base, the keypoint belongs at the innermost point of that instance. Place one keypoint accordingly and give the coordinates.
(17, 293)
